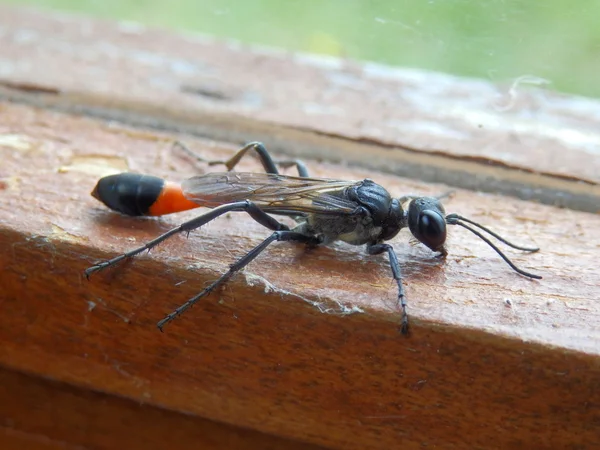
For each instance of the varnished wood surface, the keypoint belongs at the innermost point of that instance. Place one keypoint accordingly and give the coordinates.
(52, 415)
(528, 143)
(276, 350)
(302, 349)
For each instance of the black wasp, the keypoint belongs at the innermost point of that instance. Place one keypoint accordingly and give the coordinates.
(326, 210)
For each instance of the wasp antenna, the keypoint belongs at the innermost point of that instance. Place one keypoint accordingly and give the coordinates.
(454, 219)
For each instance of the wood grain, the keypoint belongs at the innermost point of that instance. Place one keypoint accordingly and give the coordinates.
(528, 143)
(277, 351)
(93, 420)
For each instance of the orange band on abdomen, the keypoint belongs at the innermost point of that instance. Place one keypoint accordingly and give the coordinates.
(171, 200)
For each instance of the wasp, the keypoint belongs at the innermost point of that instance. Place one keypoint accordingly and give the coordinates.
(324, 210)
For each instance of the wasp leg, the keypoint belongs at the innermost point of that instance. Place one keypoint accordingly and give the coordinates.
(300, 166)
(269, 164)
(237, 266)
(376, 249)
(255, 212)
(445, 195)
(189, 152)
(406, 198)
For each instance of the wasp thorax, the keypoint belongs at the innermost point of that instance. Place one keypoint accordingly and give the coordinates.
(426, 220)
(393, 222)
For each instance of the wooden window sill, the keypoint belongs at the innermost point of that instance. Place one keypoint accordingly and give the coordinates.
(302, 349)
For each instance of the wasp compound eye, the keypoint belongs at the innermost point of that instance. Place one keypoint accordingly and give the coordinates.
(427, 222)
(432, 229)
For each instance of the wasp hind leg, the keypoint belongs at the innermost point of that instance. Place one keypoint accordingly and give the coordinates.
(252, 209)
(236, 267)
(269, 164)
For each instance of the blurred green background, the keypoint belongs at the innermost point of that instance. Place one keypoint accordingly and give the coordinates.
(555, 43)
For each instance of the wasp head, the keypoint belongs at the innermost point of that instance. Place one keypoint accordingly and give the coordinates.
(427, 222)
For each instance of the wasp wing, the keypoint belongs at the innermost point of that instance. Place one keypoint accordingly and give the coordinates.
(273, 193)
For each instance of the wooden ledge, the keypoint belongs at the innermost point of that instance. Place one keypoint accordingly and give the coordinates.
(276, 350)
(303, 347)
(528, 143)
(45, 414)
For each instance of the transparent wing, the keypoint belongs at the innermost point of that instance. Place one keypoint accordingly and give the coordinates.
(273, 193)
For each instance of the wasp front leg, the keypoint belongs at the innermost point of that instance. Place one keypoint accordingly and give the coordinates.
(376, 249)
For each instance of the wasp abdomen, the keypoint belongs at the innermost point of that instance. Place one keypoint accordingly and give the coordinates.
(132, 194)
